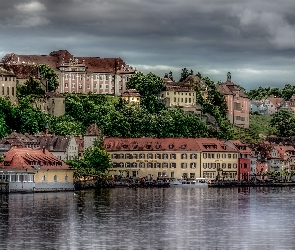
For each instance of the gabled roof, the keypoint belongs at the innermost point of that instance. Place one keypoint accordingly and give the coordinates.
(4, 72)
(130, 92)
(229, 88)
(93, 130)
(55, 143)
(275, 101)
(241, 147)
(26, 158)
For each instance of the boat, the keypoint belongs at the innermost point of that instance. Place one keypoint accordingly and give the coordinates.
(197, 182)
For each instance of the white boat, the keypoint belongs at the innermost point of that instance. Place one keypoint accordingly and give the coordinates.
(198, 182)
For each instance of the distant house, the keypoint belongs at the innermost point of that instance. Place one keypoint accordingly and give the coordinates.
(53, 103)
(273, 104)
(131, 96)
(33, 170)
(63, 147)
(92, 133)
(237, 103)
(180, 95)
(244, 163)
(258, 107)
(8, 84)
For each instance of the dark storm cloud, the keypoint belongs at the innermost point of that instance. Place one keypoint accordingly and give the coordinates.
(252, 39)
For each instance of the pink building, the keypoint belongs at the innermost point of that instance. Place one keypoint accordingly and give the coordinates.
(237, 103)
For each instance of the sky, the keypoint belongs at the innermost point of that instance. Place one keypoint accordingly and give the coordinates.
(252, 39)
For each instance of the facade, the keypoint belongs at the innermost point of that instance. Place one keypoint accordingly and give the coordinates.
(33, 170)
(53, 103)
(92, 133)
(237, 103)
(131, 96)
(180, 95)
(244, 162)
(8, 84)
(172, 157)
(75, 74)
(273, 104)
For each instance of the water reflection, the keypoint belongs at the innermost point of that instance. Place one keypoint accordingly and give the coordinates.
(173, 218)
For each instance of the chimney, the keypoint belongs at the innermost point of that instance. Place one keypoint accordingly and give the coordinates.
(43, 150)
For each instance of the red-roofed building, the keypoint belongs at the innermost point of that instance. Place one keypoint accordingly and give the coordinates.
(32, 170)
(172, 157)
(75, 74)
(244, 164)
(237, 103)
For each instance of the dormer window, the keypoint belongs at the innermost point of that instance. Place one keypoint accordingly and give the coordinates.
(183, 146)
(171, 146)
(107, 146)
(158, 146)
(148, 146)
(125, 146)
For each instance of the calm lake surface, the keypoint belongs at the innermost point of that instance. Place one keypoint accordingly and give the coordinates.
(171, 218)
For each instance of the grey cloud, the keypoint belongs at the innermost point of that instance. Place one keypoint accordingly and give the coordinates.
(252, 39)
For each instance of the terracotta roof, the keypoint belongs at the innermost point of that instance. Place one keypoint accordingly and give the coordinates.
(26, 158)
(93, 130)
(4, 72)
(229, 88)
(25, 65)
(276, 101)
(241, 147)
(52, 94)
(130, 92)
(164, 144)
(179, 86)
(19, 140)
(150, 144)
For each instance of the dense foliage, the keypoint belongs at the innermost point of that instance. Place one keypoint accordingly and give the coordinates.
(284, 122)
(261, 93)
(31, 87)
(49, 75)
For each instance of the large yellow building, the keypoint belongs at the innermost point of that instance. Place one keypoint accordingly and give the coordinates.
(172, 157)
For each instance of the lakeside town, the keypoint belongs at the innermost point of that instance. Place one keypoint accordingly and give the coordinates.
(176, 129)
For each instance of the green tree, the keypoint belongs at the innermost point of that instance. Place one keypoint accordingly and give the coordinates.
(284, 122)
(49, 75)
(30, 87)
(184, 74)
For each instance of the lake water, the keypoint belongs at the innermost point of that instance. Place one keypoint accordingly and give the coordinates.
(171, 218)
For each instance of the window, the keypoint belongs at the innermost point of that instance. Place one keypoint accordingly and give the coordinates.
(223, 165)
(173, 156)
(55, 178)
(229, 165)
(172, 165)
(164, 165)
(183, 165)
(134, 156)
(204, 155)
(223, 155)
(229, 156)
(66, 178)
(193, 165)
(218, 156)
(235, 165)
(150, 156)
(158, 156)
(142, 165)
(7, 93)
(12, 91)
(44, 178)
(183, 156)
(142, 156)
(193, 156)
(165, 156)
(192, 175)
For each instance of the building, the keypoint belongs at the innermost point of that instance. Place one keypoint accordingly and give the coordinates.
(237, 103)
(75, 74)
(53, 103)
(172, 157)
(33, 170)
(180, 95)
(8, 84)
(92, 133)
(63, 147)
(131, 96)
(273, 104)
(244, 163)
